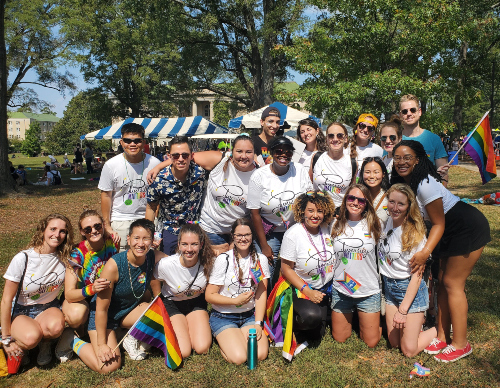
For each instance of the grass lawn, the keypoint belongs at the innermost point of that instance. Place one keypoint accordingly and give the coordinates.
(351, 364)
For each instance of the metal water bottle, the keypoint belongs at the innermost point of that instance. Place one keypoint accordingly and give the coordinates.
(252, 349)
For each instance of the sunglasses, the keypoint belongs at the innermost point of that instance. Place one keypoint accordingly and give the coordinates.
(340, 136)
(391, 137)
(352, 198)
(88, 229)
(184, 155)
(370, 128)
(412, 110)
(387, 236)
(281, 151)
(135, 141)
(312, 193)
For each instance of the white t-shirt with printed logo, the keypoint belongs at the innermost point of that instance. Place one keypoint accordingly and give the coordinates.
(274, 195)
(428, 192)
(306, 158)
(315, 268)
(333, 176)
(356, 266)
(129, 185)
(225, 274)
(176, 278)
(394, 263)
(370, 150)
(225, 199)
(43, 279)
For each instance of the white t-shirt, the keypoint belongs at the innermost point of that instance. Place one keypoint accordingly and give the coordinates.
(306, 158)
(333, 176)
(356, 263)
(388, 164)
(274, 195)
(428, 192)
(394, 263)
(129, 185)
(382, 212)
(225, 199)
(176, 278)
(371, 149)
(43, 279)
(315, 268)
(230, 281)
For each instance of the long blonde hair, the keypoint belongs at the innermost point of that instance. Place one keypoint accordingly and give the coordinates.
(413, 225)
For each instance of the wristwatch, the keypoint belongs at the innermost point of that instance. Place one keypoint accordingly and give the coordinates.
(260, 323)
(6, 341)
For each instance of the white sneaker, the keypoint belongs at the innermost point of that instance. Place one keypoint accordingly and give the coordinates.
(132, 347)
(64, 350)
(44, 353)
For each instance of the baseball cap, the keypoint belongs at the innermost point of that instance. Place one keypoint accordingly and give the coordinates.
(270, 111)
(280, 141)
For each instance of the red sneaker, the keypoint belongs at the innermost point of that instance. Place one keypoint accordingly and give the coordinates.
(451, 354)
(435, 346)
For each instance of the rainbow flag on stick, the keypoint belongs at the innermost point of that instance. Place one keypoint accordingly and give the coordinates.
(154, 328)
(479, 145)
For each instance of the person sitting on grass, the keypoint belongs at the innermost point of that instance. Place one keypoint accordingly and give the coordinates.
(31, 313)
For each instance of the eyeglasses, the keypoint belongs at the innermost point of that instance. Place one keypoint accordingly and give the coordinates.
(352, 198)
(88, 229)
(281, 151)
(135, 141)
(184, 155)
(406, 158)
(242, 236)
(312, 192)
(387, 236)
(340, 136)
(412, 110)
(370, 128)
(391, 137)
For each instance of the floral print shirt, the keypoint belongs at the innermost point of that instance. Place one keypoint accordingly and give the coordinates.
(179, 201)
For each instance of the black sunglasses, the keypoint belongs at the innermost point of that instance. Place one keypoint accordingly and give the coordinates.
(88, 229)
(387, 236)
(135, 141)
(352, 198)
(391, 137)
(370, 128)
(340, 136)
(412, 110)
(282, 151)
(184, 155)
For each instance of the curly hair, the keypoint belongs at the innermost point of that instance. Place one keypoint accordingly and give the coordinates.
(253, 251)
(90, 213)
(320, 137)
(369, 214)
(320, 199)
(384, 185)
(413, 225)
(421, 170)
(65, 248)
(206, 256)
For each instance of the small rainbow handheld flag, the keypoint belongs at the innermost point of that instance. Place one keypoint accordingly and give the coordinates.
(256, 273)
(419, 370)
(154, 328)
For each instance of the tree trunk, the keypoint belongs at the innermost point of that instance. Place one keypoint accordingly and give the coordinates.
(459, 102)
(267, 81)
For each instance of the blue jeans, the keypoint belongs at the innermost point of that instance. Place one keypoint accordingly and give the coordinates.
(219, 239)
(345, 304)
(222, 321)
(274, 240)
(395, 290)
(33, 310)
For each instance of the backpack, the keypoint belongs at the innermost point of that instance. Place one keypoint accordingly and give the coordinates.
(56, 178)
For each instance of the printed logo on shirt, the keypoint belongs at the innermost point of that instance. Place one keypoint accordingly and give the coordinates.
(231, 195)
(266, 155)
(142, 278)
(349, 283)
(334, 183)
(328, 241)
(136, 190)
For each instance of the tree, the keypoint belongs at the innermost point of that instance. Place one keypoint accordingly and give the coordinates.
(32, 144)
(88, 111)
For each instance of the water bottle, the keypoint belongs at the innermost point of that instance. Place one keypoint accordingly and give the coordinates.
(252, 349)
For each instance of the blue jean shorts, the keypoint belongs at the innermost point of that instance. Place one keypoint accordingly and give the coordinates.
(222, 321)
(395, 290)
(111, 325)
(33, 310)
(347, 304)
(219, 239)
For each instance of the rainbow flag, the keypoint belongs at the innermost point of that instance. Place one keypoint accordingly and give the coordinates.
(256, 273)
(154, 328)
(419, 370)
(479, 146)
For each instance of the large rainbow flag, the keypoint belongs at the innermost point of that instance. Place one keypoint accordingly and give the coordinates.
(479, 145)
(154, 328)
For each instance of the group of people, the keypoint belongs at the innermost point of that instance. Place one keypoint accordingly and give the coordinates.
(348, 225)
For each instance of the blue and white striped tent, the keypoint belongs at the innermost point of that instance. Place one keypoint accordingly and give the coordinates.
(160, 128)
(290, 115)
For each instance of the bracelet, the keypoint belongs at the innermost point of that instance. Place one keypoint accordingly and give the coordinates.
(259, 323)
(430, 252)
(304, 286)
(88, 291)
(402, 313)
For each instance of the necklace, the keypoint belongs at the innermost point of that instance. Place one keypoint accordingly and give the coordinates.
(247, 279)
(323, 256)
(126, 170)
(132, 284)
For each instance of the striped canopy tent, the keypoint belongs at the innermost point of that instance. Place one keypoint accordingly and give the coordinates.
(160, 128)
(290, 115)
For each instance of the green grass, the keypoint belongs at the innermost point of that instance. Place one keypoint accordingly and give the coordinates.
(351, 364)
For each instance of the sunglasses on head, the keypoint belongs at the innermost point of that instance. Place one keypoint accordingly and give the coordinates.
(283, 151)
(135, 141)
(184, 155)
(312, 192)
(88, 229)
(352, 198)
(391, 137)
(412, 110)
(370, 128)
(340, 136)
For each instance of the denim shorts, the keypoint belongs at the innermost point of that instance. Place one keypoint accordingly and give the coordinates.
(222, 321)
(111, 325)
(347, 304)
(395, 290)
(219, 239)
(33, 310)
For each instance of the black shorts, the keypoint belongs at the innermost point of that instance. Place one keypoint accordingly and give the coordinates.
(185, 307)
(466, 230)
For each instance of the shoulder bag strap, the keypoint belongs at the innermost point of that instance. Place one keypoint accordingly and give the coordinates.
(20, 286)
(381, 199)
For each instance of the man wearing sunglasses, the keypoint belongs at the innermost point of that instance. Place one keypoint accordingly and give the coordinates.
(123, 184)
(410, 112)
(270, 122)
